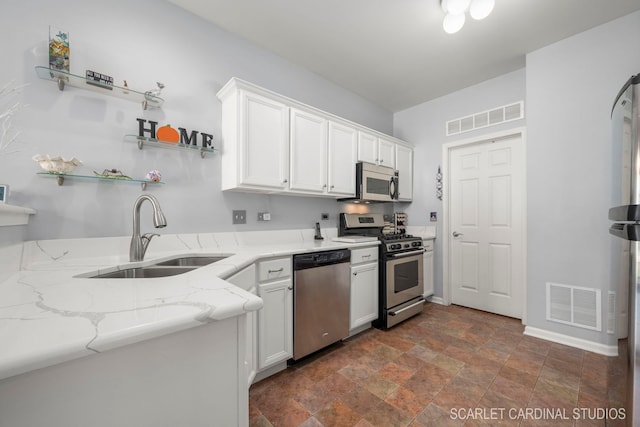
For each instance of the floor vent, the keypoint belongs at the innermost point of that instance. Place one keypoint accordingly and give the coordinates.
(574, 305)
(483, 119)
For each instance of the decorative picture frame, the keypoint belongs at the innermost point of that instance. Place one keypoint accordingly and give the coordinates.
(58, 49)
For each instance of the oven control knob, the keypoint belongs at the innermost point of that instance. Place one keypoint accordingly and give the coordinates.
(395, 246)
(415, 244)
(406, 245)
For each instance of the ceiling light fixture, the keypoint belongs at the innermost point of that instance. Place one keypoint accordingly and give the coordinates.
(455, 12)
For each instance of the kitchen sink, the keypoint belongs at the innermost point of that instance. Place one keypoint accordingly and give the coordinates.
(191, 261)
(151, 271)
(171, 267)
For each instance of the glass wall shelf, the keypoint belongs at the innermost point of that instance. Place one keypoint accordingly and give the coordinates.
(64, 78)
(142, 141)
(61, 177)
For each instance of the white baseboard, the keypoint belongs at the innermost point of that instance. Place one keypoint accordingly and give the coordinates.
(436, 300)
(594, 347)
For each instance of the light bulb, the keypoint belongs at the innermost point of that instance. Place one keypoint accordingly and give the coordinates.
(480, 9)
(457, 7)
(453, 23)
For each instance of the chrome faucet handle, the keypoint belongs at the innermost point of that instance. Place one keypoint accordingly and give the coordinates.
(146, 238)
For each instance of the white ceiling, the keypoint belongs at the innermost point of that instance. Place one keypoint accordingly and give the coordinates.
(394, 52)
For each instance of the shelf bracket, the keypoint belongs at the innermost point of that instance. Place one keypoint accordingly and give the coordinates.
(60, 179)
(140, 144)
(202, 153)
(143, 185)
(60, 83)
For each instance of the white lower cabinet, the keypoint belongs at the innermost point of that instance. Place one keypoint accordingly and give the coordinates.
(275, 318)
(364, 287)
(427, 259)
(246, 279)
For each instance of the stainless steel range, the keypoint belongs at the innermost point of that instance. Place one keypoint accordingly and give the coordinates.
(401, 280)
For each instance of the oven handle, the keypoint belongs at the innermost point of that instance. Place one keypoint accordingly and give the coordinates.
(395, 313)
(405, 254)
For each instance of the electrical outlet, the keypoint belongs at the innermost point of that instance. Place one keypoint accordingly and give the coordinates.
(239, 217)
(324, 216)
(264, 216)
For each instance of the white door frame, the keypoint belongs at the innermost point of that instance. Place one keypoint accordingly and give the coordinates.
(446, 231)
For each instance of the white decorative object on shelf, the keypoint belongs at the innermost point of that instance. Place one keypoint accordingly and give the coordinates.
(154, 175)
(56, 164)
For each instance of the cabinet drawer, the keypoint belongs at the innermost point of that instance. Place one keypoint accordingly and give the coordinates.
(274, 269)
(364, 255)
(428, 244)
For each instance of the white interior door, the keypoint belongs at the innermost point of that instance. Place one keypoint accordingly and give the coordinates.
(486, 229)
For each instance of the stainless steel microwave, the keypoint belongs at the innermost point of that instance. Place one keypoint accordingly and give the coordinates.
(375, 183)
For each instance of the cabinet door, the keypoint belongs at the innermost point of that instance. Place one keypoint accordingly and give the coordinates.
(386, 153)
(364, 294)
(308, 162)
(428, 268)
(367, 147)
(341, 165)
(246, 279)
(264, 131)
(275, 327)
(404, 165)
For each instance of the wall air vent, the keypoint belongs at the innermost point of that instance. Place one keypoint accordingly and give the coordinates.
(484, 119)
(611, 312)
(574, 305)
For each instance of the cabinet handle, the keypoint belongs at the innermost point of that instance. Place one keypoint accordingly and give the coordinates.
(333, 186)
(290, 288)
(355, 273)
(324, 186)
(276, 271)
(366, 256)
(285, 181)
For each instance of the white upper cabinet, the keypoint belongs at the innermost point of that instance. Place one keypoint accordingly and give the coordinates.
(308, 155)
(322, 155)
(404, 165)
(342, 158)
(255, 133)
(386, 152)
(274, 144)
(377, 150)
(367, 147)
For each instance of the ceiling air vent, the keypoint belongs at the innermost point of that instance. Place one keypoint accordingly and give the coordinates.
(483, 119)
(574, 305)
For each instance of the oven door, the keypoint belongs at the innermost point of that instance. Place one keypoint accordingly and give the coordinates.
(404, 277)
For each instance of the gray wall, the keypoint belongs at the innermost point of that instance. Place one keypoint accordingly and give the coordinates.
(143, 42)
(424, 126)
(571, 86)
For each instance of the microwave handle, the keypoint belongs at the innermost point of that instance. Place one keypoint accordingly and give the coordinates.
(393, 188)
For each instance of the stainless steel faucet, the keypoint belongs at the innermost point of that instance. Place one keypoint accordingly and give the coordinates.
(139, 243)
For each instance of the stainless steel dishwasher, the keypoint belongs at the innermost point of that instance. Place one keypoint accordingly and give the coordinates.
(321, 300)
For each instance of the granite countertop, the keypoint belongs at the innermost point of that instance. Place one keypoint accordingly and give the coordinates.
(49, 315)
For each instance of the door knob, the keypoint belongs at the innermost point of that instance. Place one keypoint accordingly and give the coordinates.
(456, 234)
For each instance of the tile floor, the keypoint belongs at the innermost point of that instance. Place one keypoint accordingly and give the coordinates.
(435, 368)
